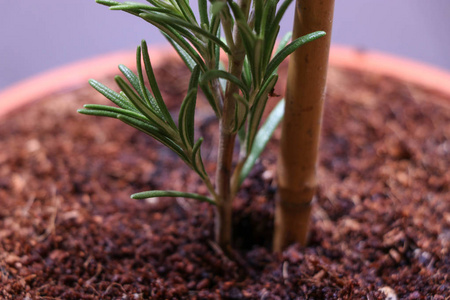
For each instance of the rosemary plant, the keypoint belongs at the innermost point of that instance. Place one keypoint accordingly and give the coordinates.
(246, 32)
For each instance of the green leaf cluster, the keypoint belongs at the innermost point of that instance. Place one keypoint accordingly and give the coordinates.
(147, 112)
(199, 42)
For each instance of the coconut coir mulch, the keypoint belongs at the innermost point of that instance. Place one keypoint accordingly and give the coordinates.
(380, 226)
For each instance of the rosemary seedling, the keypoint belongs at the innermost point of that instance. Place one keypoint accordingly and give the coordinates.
(246, 32)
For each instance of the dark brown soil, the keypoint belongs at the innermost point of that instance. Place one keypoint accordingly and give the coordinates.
(381, 220)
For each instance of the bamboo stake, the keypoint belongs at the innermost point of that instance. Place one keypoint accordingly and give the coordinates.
(301, 125)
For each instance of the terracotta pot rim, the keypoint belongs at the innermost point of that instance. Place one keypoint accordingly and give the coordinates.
(418, 73)
(77, 73)
(72, 75)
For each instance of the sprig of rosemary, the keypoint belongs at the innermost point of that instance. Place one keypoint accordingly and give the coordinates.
(250, 30)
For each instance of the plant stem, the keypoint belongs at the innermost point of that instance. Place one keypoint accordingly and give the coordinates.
(235, 177)
(302, 122)
(223, 220)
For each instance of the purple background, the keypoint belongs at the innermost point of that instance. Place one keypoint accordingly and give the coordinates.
(40, 35)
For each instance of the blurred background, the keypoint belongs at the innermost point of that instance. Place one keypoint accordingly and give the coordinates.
(40, 35)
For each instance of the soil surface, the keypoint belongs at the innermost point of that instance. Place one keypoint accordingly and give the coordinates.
(380, 225)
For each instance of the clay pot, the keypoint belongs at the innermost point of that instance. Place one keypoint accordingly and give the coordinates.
(107, 245)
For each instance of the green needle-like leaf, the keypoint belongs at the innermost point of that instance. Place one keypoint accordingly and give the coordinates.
(186, 119)
(151, 101)
(280, 13)
(269, 44)
(262, 138)
(107, 2)
(97, 109)
(161, 19)
(98, 113)
(238, 14)
(214, 74)
(259, 5)
(154, 86)
(241, 112)
(165, 4)
(197, 159)
(283, 42)
(178, 39)
(157, 134)
(267, 16)
(140, 104)
(196, 41)
(190, 63)
(132, 79)
(215, 22)
(278, 59)
(111, 95)
(138, 8)
(210, 97)
(258, 61)
(257, 109)
(187, 11)
(173, 194)
(203, 11)
(247, 74)
(195, 76)
(216, 7)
